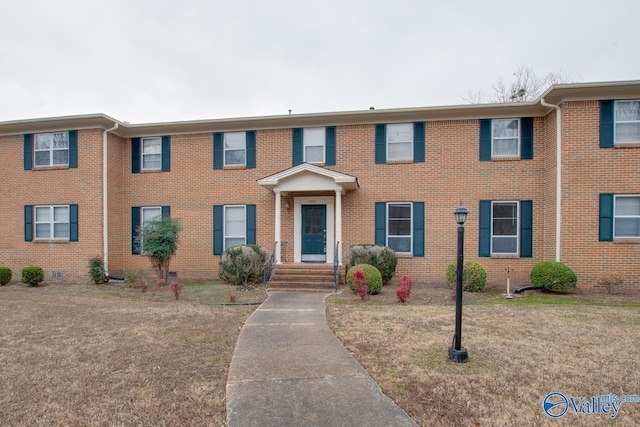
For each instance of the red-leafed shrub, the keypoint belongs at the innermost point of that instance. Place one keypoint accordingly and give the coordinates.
(403, 291)
(176, 287)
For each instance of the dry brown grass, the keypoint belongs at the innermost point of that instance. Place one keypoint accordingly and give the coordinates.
(78, 355)
(580, 344)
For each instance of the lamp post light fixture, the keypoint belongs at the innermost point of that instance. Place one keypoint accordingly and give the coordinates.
(456, 352)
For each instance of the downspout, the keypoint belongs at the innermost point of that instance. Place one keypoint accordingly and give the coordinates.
(558, 174)
(105, 210)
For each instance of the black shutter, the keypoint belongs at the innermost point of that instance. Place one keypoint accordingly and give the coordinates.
(606, 124)
(485, 139)
(526, 138)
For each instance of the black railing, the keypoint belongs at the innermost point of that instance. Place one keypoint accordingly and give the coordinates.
(336, 265)
(270, 266)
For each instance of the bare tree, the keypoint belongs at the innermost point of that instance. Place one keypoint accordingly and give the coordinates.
(525, 86)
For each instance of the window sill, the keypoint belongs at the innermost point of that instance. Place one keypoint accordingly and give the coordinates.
(399, 162)
(404, 255)
(234, 167)
(49, 168)
(626, 240)
(505, 159)
(56, 241)
(150, 170)
(626, 145)
(505, 256)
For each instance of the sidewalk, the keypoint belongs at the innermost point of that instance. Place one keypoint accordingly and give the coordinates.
(289, 369)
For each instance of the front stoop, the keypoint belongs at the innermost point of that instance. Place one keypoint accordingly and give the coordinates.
(303, 277)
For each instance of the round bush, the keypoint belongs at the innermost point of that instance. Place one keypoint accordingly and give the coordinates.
(372, 278)
(474, 278)
(5, 275)
(242, 264)
(553, 276)
(32, 275)
(381, 257)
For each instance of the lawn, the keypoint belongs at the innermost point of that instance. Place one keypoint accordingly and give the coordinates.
(89, 355)
(581, 344)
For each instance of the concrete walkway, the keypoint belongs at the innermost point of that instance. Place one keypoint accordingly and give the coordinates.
(289, 369)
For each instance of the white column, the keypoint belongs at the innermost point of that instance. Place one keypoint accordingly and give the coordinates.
(277, 222)
(339, 224)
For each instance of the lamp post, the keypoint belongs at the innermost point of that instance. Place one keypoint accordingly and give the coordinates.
(456, 352)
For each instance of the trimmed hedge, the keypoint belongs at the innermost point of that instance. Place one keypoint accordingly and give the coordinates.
(553, 276)
(474, 278)
(5, 275)
(242, 264)
(32, 275)
(372, 278)
(381, 257)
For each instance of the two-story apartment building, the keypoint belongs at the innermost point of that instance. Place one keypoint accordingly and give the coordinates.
(557, 178)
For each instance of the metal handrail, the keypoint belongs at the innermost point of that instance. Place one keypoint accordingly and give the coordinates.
(336, 264)
(270, 266)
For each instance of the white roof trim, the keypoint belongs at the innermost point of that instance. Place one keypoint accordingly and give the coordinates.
(272, 182)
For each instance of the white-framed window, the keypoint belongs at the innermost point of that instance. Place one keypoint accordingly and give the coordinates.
(400, 227)
(505, 138)
(313, 145)
(400, 141)
(627, 122)
(147, 215)
(52, 149)
(151, 153)
(235, 149)
(235, 227)
(52, 222)
(627, 216)
(505, 228)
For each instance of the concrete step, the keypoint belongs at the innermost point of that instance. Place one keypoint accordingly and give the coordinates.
(303, 277)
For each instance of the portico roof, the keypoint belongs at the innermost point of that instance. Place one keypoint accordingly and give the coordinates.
(309, 177)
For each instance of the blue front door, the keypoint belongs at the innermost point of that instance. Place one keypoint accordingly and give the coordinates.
(314, 233)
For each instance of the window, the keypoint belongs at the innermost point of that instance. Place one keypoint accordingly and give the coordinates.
(52, 149)
(151, 153)
(313, 143)
(399, 236)
(235, 149)
(52, 222)
(504, 228)
(234, 226)
(627, 216)
(149, 214)
(627, 122)
(400, 141)
(505, 136)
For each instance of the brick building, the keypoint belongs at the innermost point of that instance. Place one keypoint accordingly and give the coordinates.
(557, 178)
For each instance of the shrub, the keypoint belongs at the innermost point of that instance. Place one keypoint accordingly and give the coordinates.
(176, 287)
(5, 275)
(474, 278)
(403, 291)
(359, 284)
(381, 257)
(131, 277)
(242, 264)
(33, 275)
(610, 281)
(553, 276)
(96, 270)
(372, 278)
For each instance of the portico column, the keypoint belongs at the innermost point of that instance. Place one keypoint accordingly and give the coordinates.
(277, 222)
(339, 224)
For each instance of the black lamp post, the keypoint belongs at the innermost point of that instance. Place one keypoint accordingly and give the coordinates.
(456, 352)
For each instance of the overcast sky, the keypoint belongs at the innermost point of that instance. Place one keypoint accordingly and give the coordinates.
(160, 60)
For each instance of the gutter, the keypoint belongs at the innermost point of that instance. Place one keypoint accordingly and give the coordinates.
(558, 174)
(105, 209)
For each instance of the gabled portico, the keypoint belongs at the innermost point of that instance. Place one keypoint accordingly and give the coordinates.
(317, 216)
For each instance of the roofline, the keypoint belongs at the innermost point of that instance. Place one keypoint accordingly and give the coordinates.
(555, 95)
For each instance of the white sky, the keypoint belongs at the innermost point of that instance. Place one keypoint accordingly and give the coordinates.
(161, 60)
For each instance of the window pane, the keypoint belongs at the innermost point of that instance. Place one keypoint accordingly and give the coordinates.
(399, 227)
(61, 230)
(234, 221)
(43, 141)
(314, 154)
(400, 211)
(151, 161)
(627, 227)
(234, 157)
(234, 140)
(150, 213)
(627, 132)
(628, 111)
(397, 151)
(60, 157)
(313, 136)
(230, 242)
(151, 146)
(628, 206)
(42, 158)
(505, 245)
(61, 140)
(505, 128)
(400, 133)
(400, 244)
(43, 231)
(61, 213)
(43, 214)
(504, 147)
